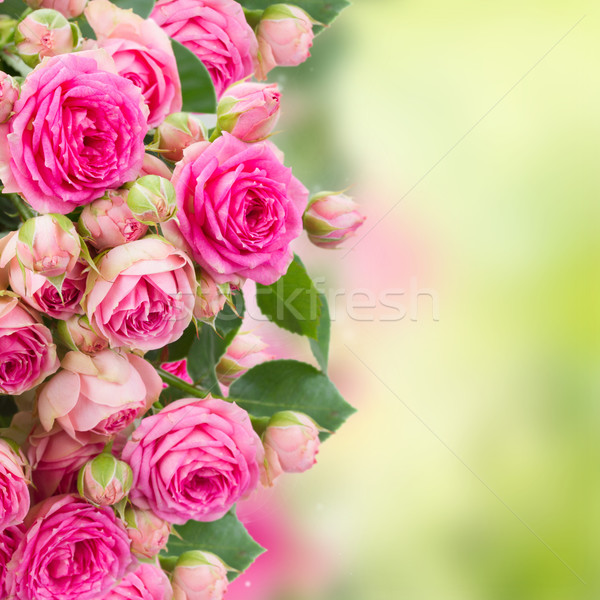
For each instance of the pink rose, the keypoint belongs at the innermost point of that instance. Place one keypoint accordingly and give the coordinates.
(77, 334)
(9, 94)
(285, 37)
(147, 582)
(177, 132)
(199, 576)
(101, 394)
(245, 351)
(143, 296)
(79, 129)
(109, 222)
(249, 110)
(239, 209)
(177, 368)
(27, 353)
(68, 8)
(148, 533)
(14, 490)
(216, 31)
(9, 540)
(70, 550)
(142, 53)
(193, 460)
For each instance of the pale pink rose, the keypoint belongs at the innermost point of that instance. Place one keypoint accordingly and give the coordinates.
(177, 132)
(143, 54)
(14, 482)
(239, 208)
(291, 442)
(71, 550)
(147, 582)
(102, 394)
(177, 368)
(148, 533)
(249, 110)
(245, 351)
(78, 334)
(9, 94)
(95, 140)
(199, 576)
(27, 353)
(331, 219)
(152, 165)
(68, 8)
(285, 37)
(216, 31)
(55, 458)
(109, 222)
(143, 296)
(9, 238)
(210, 300)
(193, 460)
(9, 540)
(104, 480)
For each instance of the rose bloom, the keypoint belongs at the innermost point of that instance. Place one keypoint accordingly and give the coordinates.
(143, 54)
(27, 353)
(193, 460)
(9, 540)
(143, 296)
(147, 582)
(216, 31)
(14, 491)
(70, 550)
(102, 393)
(239, 208)
(79, 129)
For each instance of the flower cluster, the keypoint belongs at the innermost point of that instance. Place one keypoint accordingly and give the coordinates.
(132, 228)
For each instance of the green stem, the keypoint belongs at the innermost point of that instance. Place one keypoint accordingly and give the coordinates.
(174, 381)
(215, 134)
(24, 211)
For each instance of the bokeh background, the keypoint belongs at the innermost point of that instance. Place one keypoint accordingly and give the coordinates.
(469, 131)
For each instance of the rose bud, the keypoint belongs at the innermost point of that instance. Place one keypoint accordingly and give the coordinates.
(45, 32)
(68, 8)
(245, 351)
(104, 480)
(210, 298)
(148, 533)
(147, 582)
(109, 222)
(331, 218)
(14, 481)
(177, 132)
(48, 245)
(291, 442)
(249, 110)
(199, 576)
(152, 200)
(285, 37)
(9, 93)
(78, 334)
(152, 165)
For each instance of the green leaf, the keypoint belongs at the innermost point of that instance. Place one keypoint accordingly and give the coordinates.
(227, 538)
(9, 217)
(280, 385)
(324, 11)
(13, 8)
(197, 89)
(179, 349)
(320, 346)
(8, 409)
(140, 7)
(292, 302)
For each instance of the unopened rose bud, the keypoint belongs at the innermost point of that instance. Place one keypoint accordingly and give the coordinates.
(9, 94)
(78, 334)
(148, 533)
(199, 576)
(331, 218)
(109, 222)
(245, 351)
(285, 37)
(105, 480)
(249, 110)
(45, 32)
(152, 200)
(48, 245)
(68, 8)
(177, 132)
(291, 442)
(210, 298)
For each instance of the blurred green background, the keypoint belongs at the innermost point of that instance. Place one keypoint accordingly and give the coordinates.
(469, 131)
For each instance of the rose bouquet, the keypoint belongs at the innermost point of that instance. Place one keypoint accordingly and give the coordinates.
(141, 189)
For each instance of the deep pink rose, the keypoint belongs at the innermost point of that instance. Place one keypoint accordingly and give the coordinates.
(27, 353)
(70, 550)
(143, 54)
(143, 296)
(14, 490)
(193, 460)
(102, 393)
(9, 540)
(79, 129)
(147, 582)
(177, 368)
(239, 208)
(216, 31)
